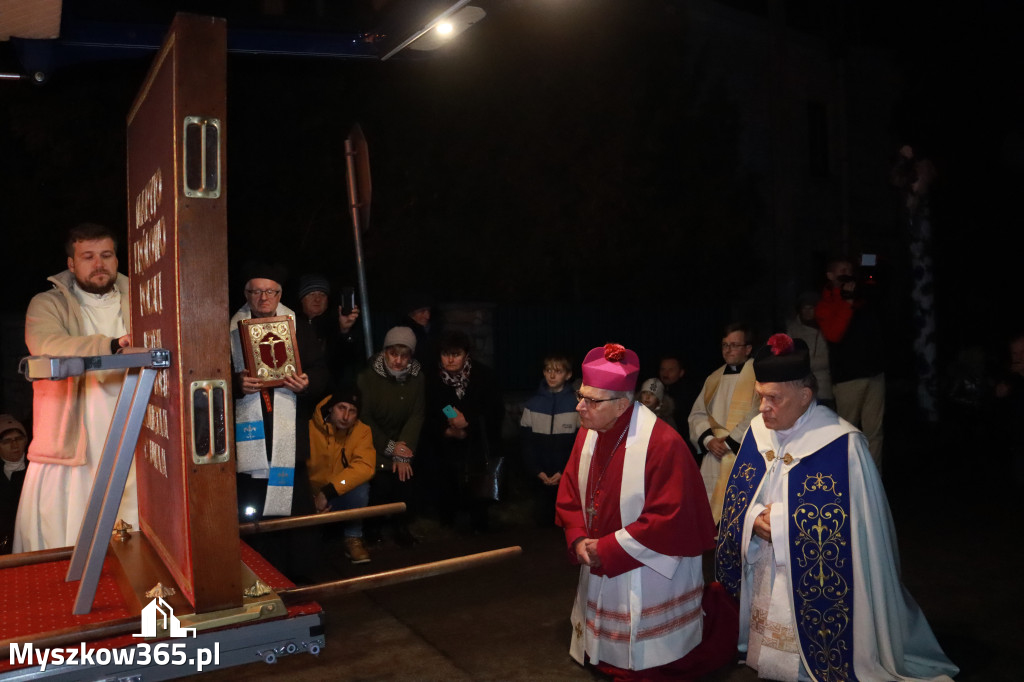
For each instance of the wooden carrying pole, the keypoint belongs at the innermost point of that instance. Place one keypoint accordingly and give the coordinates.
(60, 553)
(320, 519)
(39, 557)
(297, 595)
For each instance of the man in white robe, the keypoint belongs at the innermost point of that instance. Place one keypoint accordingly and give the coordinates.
(85, 314)
(807, 543)
(722, 412)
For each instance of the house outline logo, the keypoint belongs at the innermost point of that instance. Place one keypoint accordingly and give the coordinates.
(151, 614)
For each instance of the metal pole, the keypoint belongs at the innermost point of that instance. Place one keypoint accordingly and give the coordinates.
(87, 531)
(357, 228)
(320, 519)
(295, 595)
(115, 488)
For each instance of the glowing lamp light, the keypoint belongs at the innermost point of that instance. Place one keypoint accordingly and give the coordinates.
(441, 31)
(250, 511)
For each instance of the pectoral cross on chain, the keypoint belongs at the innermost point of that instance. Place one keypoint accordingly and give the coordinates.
(591, 513)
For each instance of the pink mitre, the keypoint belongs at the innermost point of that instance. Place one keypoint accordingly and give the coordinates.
(612, 367)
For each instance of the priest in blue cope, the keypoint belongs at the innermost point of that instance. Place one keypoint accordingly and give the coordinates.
(807, 543)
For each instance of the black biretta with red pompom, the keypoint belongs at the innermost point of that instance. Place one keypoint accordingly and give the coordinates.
(782, 359)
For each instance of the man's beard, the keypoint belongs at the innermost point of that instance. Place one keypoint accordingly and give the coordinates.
(95, 288)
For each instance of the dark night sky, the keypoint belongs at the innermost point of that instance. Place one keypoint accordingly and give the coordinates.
(519, 162)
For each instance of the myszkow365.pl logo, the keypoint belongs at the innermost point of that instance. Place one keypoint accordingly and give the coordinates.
(144, 654)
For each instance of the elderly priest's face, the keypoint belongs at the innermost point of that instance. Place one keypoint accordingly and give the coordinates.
(782, 403)
(263, 295)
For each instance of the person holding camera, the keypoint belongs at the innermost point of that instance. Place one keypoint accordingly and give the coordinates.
(849, 324)
(335, 334)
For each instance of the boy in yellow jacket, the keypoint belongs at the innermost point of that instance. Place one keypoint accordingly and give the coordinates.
(341, 462)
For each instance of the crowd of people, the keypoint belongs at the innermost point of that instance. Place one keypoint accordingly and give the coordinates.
(644, 477)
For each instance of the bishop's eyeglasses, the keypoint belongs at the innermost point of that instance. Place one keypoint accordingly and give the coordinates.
(591, 401)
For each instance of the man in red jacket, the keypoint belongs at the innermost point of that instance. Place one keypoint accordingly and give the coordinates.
(848, 322)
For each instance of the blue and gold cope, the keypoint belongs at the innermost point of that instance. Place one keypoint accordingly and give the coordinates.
(821, 553)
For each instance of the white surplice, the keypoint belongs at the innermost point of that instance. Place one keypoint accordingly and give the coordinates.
(662, 597)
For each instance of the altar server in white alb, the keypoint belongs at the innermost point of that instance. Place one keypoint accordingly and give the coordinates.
(84, 314)
(807, 543)
(637, 520)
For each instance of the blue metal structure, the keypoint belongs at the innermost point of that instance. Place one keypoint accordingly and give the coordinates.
(98, 30)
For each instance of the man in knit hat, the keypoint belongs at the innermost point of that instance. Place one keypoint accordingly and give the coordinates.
(341, 462)
(84, 313)
(333, 331)
(637, 520)
(807, 543)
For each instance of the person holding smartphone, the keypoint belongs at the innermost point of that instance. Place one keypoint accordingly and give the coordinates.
(462, 429)
(335, 334)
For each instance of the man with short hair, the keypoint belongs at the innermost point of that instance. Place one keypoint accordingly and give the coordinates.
(807, 543)
(84, 314)
(636, 519)
(722, 411)
(804, 325)
(680, 389)
(341, 462)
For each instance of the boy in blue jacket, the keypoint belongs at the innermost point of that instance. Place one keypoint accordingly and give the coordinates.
(548, 430)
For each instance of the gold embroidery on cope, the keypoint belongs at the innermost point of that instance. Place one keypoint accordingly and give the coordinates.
(821, 535)
(729, 552)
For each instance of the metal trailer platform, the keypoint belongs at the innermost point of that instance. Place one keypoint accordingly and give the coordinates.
(267, 641)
